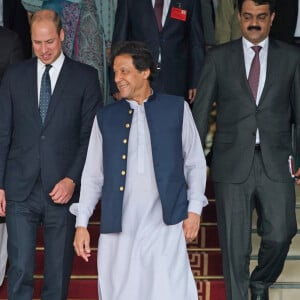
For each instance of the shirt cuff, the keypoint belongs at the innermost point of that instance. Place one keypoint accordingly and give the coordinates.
(196, 206)
(81, 219)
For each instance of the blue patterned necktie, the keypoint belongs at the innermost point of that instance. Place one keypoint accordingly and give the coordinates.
(45, 93)
(254, 72)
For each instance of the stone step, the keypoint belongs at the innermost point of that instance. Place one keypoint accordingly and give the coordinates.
(86, 289)
(285, 291)
(294, 248)
(290, 272)
(204, 262)
(254, 218)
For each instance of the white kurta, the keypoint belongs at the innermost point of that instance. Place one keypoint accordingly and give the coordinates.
(3, 251)
(148, 260)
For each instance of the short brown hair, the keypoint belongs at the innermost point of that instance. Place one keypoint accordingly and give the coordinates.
(47, 15)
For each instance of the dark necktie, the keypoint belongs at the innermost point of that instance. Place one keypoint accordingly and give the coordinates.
(45, 93)
(254, 72)
(158, 10)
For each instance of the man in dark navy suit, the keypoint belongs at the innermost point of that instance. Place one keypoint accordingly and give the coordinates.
(10, 52)
(43, 147)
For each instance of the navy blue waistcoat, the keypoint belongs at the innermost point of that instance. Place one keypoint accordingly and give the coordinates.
(164, 116)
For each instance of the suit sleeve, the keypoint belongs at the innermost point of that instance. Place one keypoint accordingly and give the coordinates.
(17, 53)
(196, 45)
(206, 95)
(296, 104)
(207, 22)
(5, 124)
(91, 100)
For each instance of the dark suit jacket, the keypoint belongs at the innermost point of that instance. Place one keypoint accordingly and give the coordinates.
(55, 150)
(284, 25)
(181, 42)
(10, 49)
(224, 79)
(15, 18)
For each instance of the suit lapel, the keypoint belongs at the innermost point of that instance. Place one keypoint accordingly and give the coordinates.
(168, 14)
(151, 8)
(270, 72)
(177, 4)
(238, 60)
(6, 13)
(32, 91)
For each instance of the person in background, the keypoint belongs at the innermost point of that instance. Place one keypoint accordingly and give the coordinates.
(13, 16)
(255, 83)
(146, 163)
(208, 20)
(11, 51)
(173, 33)
(83, 19)
(47, 107)
(283, 27)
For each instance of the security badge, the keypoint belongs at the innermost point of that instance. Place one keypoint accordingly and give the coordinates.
(178, 13)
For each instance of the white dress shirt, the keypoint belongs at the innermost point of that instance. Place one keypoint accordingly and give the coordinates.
(165, 10)
(297, 31)
(1, 12)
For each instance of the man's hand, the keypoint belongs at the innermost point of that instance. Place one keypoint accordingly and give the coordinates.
(2, 203)
(63, 191)
(82, 243)
(191, 226)
(192, 95)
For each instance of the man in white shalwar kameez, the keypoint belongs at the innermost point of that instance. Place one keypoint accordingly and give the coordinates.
(145, 259)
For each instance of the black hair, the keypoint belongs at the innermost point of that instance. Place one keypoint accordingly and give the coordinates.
(141, 56)
(271, 3)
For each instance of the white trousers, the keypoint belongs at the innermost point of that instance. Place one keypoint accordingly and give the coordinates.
(3, 251)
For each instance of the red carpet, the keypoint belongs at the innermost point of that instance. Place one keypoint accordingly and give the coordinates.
(204, 256)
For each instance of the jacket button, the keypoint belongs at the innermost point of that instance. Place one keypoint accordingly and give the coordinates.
(130, 111)
(121, 188)
(125, 141)
(43, 137)
(124, 156)
(123, 172)
(127, 125)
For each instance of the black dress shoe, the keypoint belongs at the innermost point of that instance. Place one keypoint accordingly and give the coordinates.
(264, 296)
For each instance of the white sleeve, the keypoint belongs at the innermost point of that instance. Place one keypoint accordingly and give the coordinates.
(194, 163)
(92, 178)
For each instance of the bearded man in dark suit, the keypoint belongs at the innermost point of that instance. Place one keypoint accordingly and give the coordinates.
(255, 83)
